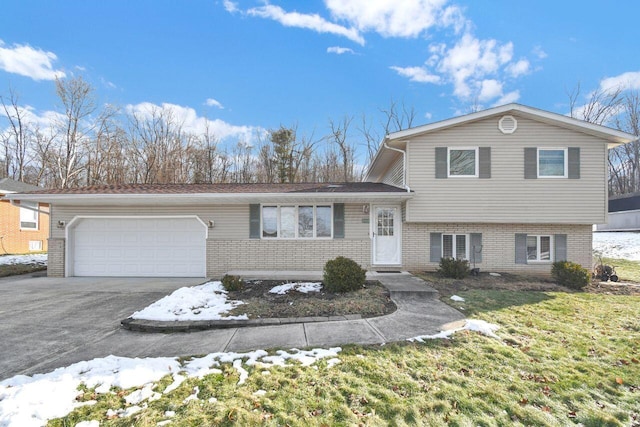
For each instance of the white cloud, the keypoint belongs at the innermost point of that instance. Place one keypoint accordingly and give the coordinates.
(628, 80)
(300, 20)
(508, 98)
(210, 102)
(27, 61)
(191, 122)
(489, 89)
(416, 74)
(428, 115)
(393, 18)
(520, 68)
(339, 50)
(539, 53)
(230, 6)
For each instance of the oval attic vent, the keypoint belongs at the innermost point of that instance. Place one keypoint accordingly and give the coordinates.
(507, 124)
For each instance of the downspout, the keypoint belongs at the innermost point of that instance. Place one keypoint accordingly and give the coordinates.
(13, 203)
(404, 165)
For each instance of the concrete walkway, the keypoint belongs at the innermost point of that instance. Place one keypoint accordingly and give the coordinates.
(47, 323)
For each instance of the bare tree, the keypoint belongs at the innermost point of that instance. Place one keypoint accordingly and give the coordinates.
(398, 117)
(15, 140)
(600, 106)
(339, 137)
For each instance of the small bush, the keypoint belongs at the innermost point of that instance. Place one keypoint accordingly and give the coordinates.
(343, 275)
(232, 283)
(570, 274)
(454, 268)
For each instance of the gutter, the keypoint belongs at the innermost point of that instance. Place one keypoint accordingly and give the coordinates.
(404, 165)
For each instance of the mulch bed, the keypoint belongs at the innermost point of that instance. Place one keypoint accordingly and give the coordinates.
(512, 282)
(370, 301)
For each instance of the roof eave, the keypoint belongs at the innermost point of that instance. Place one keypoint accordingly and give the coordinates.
(208, 198)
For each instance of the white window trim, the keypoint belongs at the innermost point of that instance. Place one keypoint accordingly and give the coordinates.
(31, 210)
(296, 206)
(477, 162)
(551, 250)
(566, 162)
(467, 239)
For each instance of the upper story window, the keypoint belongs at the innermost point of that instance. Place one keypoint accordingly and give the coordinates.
(297, 222)
(462, 162)
(28, 216)
(552, 163)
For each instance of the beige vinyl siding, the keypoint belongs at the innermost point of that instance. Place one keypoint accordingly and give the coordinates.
(507, 197)
(395, 173)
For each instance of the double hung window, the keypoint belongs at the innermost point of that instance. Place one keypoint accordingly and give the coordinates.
(455, 246)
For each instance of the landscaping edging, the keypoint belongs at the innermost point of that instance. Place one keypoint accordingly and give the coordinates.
(141, 325)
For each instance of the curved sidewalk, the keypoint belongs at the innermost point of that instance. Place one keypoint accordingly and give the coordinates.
(419, 312)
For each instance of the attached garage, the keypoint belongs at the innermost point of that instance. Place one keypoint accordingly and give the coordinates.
(137, 247)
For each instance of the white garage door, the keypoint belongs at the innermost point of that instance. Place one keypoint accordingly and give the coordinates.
(140, 247)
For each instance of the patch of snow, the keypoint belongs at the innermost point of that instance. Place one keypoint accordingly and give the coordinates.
(495, 274)
(163, 423)
(40, 259)
(212, 400)
(457, 298)
(259, 392)
(481, 326)
(32, 400)
(177, 380)
(303, 287)
(202, 302)
(624, 245)
(192, 396)
(169, 413)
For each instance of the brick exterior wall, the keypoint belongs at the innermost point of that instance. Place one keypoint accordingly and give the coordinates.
(498, 245)
(55, 258)
(14, 240)
(257, 254)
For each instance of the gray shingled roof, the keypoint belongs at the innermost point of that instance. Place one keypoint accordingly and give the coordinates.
(8, 185)
(349, 187)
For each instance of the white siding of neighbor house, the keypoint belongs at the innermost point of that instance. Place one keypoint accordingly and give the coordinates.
(228, 244)
(507, 197)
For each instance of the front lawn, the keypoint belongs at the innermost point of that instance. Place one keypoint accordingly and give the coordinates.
(564, 358)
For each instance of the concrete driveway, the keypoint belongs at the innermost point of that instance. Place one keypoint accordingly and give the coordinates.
(47, 323)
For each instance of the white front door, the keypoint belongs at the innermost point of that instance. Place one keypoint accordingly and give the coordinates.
(386, 235)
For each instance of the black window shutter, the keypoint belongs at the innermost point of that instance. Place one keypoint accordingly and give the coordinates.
(521, 248)
(435, 251)
(485, 162)
(476, 248)
(441, 162)
(530, 163)
(338, 220)
(574, 162)
(254, 221)
(560, 247)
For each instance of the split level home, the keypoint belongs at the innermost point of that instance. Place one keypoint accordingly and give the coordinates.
(24, 227)
(511, 189)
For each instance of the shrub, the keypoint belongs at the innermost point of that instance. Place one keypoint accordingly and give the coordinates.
(343, 275)
(232, 283)
(454, 268)
(570, 274)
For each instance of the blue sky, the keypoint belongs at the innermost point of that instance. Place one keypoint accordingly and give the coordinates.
(252, 65)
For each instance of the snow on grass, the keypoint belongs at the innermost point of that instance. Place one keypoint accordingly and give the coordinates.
(481, 326)
(32, 400)
(624, 245)
(40, 259)
(304, 287)
(203, 302)
(457, 298)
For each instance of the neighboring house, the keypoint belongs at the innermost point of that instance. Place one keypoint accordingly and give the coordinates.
(511, 189)
(23, 228)
(624, 213)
